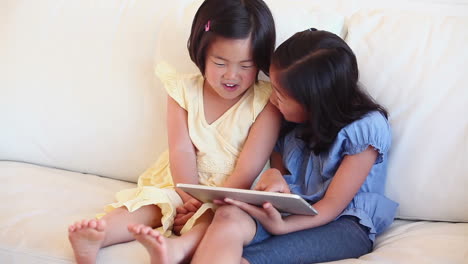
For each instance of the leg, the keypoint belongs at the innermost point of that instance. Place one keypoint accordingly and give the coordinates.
(164, 250)
(340, 239)
(230, 230)
(88, 236)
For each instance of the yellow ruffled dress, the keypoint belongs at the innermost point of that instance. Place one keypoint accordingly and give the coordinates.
(218, 146)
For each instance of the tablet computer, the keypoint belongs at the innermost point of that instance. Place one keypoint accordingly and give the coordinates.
(284, 202)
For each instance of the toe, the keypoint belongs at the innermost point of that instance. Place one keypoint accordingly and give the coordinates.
(92, 224)
(138, 228)
(131, 228)
(153, 233)
(146, 230)
(101, 222)
(160, 239)
(77, 225)
(84, 223)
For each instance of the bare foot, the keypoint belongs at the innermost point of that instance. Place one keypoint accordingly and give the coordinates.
(86, 239)
(158, 246)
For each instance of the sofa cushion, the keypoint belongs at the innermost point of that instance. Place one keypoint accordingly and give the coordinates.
(415, 65)
(420, 242)
(39, 203)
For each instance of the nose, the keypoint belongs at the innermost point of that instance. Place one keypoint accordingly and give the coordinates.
(230, 73)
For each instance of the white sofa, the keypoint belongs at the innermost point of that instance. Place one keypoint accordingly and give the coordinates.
(82, 115)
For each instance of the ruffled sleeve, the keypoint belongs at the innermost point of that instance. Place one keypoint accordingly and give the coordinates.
(262, 91)
(172, 83)
(371, 130)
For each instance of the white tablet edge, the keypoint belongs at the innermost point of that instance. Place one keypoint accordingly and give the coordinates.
(235, 191)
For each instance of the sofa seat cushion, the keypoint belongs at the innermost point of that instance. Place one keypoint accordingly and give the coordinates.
(39, 203)
(421, 242)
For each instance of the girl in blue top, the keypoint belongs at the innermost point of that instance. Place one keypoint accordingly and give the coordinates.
(333, 152)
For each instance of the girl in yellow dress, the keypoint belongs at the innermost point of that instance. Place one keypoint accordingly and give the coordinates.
(221, 131)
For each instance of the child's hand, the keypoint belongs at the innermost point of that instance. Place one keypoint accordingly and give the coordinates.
(267, 215)
(272, 181)
(184, 212)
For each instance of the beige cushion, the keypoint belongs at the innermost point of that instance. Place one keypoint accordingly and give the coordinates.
(42, 202)
(77, 89)
(415, 65)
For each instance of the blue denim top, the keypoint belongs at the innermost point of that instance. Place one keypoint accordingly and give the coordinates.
(311, 174)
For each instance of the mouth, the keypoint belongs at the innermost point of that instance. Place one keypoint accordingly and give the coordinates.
(230, 86)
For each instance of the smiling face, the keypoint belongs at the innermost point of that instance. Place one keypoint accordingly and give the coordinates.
(291, 109)
(229, 67)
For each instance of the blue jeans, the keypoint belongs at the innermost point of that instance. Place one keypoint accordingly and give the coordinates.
(340, 239)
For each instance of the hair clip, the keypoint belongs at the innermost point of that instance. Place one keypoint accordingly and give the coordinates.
(207, 25)
(312, 29)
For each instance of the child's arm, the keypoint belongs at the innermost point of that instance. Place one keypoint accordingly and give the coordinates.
(257, 148)
(348, 179)
(272, 179)
(182, 155)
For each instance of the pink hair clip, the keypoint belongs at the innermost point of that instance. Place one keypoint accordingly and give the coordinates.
(207, 25)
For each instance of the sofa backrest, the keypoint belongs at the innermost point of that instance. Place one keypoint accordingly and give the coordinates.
(415, 65)
(77, 89)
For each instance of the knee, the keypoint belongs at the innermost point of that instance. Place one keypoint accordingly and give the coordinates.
(230, 216)
(230, 221)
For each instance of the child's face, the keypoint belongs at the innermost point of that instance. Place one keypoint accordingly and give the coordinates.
(229, 67)
(291, 109)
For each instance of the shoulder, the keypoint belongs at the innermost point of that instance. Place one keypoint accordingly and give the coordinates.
(262, 91)
(262, 88)
(372, 122)
(373, 129)
(168, 75)
(181, 87)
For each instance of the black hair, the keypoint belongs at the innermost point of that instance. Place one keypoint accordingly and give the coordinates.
(319, 70)
(233, 19)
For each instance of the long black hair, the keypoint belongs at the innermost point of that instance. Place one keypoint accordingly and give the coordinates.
(233, 19)
(319, 70)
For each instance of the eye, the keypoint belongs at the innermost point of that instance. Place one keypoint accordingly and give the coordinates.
(219, 64)
(247, 66)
